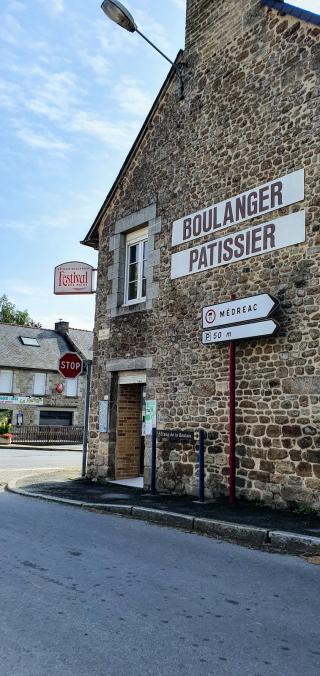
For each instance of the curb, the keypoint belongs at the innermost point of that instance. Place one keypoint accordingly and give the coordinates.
(38, 447)
(232, 531)
(170, 519)
(290, 543)
(274, 541)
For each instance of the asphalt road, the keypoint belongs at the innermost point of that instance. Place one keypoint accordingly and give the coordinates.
(14, 461)
(86, 594)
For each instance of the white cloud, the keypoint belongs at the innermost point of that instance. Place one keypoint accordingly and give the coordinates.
(131, 98)
(41, 141)
(111, 39)
(10, 30)
(180, 3)
(115, 134)
(77, 310)
(98, 63)
(26, 230)
(9, 93)
(57, 5)
(54, 6)
(53, 95)
(154, 31)
(24, 288)
(15, 6)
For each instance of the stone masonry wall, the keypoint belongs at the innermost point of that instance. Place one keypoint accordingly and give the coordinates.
(23, 384)
(250, 114)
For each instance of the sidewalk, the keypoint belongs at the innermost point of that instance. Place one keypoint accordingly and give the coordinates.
(246, 523)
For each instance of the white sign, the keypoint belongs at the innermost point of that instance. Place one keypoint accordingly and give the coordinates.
(151, 416)
(276, 194)
(266, 328)
(26, 401)
(104, 334)
(73, 278)
(240, 310)
(238, 246)
(104, 416)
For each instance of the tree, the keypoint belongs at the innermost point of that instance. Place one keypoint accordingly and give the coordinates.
(10, 315)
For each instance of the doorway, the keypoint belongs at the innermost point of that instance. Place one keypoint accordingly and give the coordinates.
(130, 429)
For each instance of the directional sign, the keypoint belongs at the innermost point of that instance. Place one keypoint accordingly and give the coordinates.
(248, 309)
(70, 365)
(183, 436)
(255, 329)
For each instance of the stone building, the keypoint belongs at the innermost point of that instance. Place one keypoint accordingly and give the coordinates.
(219, 195)
(29, 375)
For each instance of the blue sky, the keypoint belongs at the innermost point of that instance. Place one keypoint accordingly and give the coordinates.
(74, 91)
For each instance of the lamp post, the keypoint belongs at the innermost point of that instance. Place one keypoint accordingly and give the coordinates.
(115, 11)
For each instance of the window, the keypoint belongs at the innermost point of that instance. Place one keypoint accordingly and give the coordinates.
(6, 378)
(56, 418)
(39, 383)
(32, 342)
(136, 262)
(71, 387)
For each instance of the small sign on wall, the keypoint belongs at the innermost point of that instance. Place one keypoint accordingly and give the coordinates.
(103, 416)
(182, 436)
(151, 415)
(19, 419)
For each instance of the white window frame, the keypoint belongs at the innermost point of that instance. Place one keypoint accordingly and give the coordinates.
(68, 392)
(10, 374)
(137, 237)
(38, 391)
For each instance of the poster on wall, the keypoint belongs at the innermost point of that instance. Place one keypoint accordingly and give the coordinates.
(151, 415)
(103, 416)
(21, 400)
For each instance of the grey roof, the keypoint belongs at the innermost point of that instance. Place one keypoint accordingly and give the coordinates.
(83, 342)
(52, 346)
(298, 12)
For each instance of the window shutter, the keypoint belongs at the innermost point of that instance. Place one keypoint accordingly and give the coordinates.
(39, 384)
(71, 388)
(6, 378)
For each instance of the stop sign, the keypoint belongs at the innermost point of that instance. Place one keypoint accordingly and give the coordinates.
(70, 365)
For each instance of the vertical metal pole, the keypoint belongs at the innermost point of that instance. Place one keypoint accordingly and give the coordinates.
(232, 420)
(153, 461)
(201, 465)
(88, 364)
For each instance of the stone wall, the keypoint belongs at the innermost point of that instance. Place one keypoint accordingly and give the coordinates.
(250, 114)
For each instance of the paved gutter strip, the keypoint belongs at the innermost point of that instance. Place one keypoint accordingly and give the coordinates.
(12, 488)
(293, 543)
(163, 518)
(122, 510)
(276, 541)
(232, 531)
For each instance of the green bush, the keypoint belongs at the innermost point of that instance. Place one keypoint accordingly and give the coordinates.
(5, 426)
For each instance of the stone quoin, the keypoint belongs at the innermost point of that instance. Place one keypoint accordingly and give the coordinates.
(219, 195)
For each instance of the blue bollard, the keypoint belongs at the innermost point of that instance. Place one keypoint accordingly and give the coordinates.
(153, 461)
(201, 465)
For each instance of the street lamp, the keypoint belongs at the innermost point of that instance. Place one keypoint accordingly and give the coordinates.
(115, 11)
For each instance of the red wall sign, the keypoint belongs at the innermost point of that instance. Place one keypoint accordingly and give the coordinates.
(70, 365)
